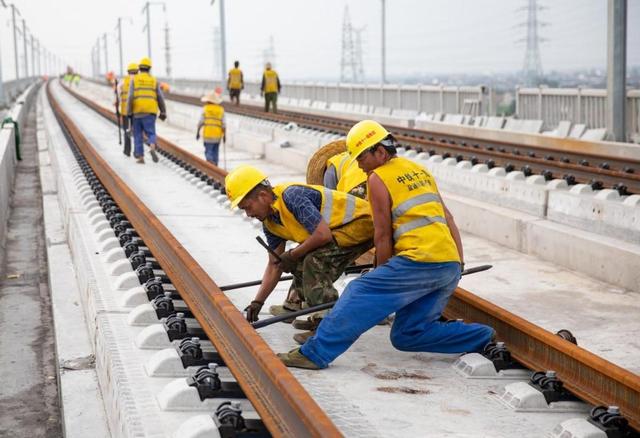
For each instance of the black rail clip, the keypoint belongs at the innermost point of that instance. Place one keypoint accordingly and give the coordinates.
(176, 326)
(153, 287)
(191, 354)
(498, 353)
(137, 258)
(611, 422)
(144, 273)
(551, 387)
(231, 424)
(163, 305)
(207, 381)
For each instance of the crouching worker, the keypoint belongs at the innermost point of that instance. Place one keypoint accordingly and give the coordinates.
(332, 228)
(418, 259)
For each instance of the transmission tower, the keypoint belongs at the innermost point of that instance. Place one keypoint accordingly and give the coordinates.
(532, 68)
(269, 54)
(351, 69)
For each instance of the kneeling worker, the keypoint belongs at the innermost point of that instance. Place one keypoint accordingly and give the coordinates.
(333, 230)
(418, 258)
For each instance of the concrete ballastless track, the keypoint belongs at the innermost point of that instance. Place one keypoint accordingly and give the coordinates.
(285, 407)
(598, 168)
(585, 374)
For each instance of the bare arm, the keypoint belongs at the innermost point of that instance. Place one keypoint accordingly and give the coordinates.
(272, 274)
(455, 233)
(381, 209)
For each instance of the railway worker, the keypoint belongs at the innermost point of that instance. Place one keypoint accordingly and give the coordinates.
(418, 258)
(270, 88)
(212, 120)
(235, 82)
(143, 103)
(344, 175)
(132, 70)
(332, 228)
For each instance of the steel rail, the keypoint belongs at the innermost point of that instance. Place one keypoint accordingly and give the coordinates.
(538, 158)
(283, 404)
(587, 375)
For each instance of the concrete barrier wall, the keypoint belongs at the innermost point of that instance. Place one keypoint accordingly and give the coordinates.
(13, 89)
(8, 161)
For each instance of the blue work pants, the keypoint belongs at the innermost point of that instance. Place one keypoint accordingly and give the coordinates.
(417, 293)
(211, 152)
(146, 124)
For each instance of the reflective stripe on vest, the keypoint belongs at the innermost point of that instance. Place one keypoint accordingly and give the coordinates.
(420, 229)
(337, 209)
(145, 98)
(270, 81)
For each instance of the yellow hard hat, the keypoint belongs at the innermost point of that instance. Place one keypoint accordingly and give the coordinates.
(146, 62)
(363, 135)
(240, 181)
(132, 67)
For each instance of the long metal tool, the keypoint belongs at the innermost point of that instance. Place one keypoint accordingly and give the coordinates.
(280, 400)
(251, 283)
(324, 306)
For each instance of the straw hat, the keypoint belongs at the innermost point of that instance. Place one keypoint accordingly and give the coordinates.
(318, 161)
(211, 98)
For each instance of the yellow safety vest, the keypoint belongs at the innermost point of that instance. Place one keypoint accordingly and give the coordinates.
(235, 79)
(270, 81)
(212, 114)
(420, 230)
(348, 217)
(124, 95)
(145, 98)
(349, 175)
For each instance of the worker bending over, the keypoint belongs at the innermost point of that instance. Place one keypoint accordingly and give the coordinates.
(270, 88)
(235, 83)
(418, 258)
(143, 103)
(132, 70)
(332, 228)
(212, 120)
(343, 174)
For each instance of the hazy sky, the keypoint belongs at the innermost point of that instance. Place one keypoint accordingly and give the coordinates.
(423, 36)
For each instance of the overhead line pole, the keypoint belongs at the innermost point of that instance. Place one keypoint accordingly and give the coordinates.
(119, 27)
(2, 98)
(617, 68)
(106, 53)
(24, 43)
(147, 27)
(223, 42)
(15, 40)
(384, 42)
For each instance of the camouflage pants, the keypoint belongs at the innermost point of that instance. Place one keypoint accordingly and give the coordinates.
(314, 274)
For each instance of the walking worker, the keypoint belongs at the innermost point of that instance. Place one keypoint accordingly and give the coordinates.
(332, 228)
(212, 120)
(344, 175)
(132, 70)
(418, 257)
(235, 82)
(143, 103)
(270, 88)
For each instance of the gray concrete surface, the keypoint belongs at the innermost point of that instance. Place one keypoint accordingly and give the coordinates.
(29, 404)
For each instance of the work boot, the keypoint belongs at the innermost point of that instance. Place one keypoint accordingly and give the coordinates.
(306, 324)
(296, 359)
(154, 156)
(282, 310)
(301, 338)
(140, 160)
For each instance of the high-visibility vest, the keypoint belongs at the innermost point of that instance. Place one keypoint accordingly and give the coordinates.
(348, 174)
(270, 81)
(235, 79)
(124, 94)
(420, 230)
(212, 114)
(338, 210)
(145, 98)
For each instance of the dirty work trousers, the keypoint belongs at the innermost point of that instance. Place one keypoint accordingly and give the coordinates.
(211, 152)
(146, 124)
(271, 99)
(417, 293)
(315, 274)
